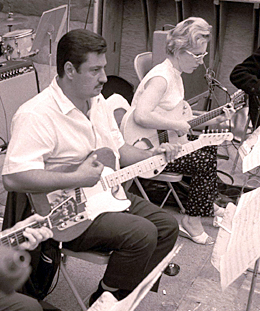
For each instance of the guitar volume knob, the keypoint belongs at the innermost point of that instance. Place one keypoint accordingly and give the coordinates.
(79, 218)
(63, 225)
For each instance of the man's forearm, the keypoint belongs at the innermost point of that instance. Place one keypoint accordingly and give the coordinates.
(130, 155)
(39, 181)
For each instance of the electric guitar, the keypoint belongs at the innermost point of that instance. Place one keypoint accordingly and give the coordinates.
(146, 138)
(57, 220)
(108, 195)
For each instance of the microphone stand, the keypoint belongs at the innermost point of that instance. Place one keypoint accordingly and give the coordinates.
(208, 100)
(50, 33)
(211, 82)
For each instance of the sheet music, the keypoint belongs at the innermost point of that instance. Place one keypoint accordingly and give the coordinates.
(234, 253)
(250, 158)
(107, 302)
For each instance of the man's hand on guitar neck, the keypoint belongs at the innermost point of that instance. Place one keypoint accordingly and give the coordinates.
(170, 150)
(34, 236)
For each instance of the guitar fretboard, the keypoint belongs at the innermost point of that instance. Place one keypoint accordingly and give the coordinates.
(152, 164)
(206, 117)
(16, 238)
(163, 136)
(237, 98)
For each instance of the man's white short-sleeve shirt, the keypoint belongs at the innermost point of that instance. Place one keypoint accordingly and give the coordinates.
(49, 132)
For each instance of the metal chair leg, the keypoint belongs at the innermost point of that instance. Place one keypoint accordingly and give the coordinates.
(73, 288)
(252, 288)
(176, 197)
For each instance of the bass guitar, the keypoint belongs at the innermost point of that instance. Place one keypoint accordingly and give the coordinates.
(108, 195)
(146, 138)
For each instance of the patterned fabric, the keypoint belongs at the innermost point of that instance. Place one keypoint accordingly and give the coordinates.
(202, 166)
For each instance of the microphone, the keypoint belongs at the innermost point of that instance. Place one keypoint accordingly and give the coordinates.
(211, 80)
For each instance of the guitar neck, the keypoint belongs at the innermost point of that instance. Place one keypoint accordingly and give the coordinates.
(16, 237)
(156, 163)
(206, 117)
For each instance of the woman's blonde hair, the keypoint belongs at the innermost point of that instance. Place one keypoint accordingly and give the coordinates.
(188, 34)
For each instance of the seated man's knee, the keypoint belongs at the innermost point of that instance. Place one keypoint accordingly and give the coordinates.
(145, 235)
(169, 226)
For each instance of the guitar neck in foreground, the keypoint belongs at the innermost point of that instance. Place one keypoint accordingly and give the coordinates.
(16, 237)
(157, 163)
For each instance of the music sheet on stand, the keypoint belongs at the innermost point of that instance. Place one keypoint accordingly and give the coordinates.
(251, 160)
(236, 250)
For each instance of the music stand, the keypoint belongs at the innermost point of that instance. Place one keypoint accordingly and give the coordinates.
(50, 29)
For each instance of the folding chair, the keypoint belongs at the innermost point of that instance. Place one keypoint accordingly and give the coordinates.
(99, 258)
(143, 64)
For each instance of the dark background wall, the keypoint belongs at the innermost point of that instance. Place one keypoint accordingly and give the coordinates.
(124, 24)
(36, 7)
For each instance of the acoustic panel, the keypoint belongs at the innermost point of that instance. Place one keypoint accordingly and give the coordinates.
(18, 83)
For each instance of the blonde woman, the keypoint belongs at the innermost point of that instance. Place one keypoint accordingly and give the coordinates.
(159, 103)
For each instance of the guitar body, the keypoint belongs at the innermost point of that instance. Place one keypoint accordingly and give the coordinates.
(83, 204)
(146, 138)
(72, 229)
(97, 199)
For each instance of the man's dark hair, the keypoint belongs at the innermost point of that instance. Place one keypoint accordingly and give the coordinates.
(75, 45)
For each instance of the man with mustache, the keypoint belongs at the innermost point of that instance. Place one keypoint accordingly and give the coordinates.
(57, 130)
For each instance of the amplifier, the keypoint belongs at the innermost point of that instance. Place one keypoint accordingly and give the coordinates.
(18, 83)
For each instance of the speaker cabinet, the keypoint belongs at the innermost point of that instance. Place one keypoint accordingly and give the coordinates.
(18, 83)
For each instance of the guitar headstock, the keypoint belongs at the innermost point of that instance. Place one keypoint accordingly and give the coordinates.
(215, 138)
(238, 99)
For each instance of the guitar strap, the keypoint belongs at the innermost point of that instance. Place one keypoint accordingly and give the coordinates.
(40, 203)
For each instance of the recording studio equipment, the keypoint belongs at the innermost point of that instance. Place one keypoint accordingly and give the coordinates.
(212, 81)
(18, 83)
(18, 43)
(11, 20)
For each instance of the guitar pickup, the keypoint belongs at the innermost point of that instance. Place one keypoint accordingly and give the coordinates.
(81, 207)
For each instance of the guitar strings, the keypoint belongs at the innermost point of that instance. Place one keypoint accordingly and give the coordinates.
(18, 236)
